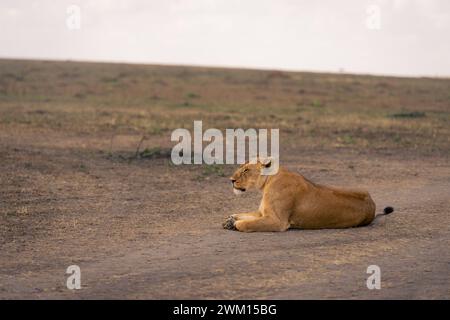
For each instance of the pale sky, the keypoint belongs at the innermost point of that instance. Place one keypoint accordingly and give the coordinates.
(394, 37)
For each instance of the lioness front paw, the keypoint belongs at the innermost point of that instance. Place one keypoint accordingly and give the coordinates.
(229, 224)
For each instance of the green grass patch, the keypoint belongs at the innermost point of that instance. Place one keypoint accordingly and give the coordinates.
(413, 114)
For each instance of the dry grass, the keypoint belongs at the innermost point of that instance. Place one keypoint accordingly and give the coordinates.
(316, 110)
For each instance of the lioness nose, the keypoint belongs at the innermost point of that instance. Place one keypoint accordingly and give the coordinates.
(233, 180)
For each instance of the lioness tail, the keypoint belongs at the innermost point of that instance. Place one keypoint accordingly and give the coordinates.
(386, 211)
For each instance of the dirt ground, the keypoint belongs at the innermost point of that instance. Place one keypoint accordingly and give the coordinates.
(75, 189)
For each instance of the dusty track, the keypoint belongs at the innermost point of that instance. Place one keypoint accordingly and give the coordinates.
(148, 230)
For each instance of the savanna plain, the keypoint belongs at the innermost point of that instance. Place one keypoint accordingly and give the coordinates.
(86, 179)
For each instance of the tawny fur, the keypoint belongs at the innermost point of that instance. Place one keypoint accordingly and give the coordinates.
(291, 201)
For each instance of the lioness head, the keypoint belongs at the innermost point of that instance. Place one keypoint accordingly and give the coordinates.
(247, 175)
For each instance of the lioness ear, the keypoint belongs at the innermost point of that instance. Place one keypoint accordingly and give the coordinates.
(270, 166)
(266, 162)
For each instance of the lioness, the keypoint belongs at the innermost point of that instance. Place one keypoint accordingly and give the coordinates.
(291, 201)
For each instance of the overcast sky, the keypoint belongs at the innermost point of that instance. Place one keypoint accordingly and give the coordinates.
(397, 37)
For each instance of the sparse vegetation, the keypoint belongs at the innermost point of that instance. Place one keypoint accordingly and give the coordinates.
(86, 97)
(215, 169)
(155, 153)
(192, 95)
(87, 179)
(209, 172)
(414, 114)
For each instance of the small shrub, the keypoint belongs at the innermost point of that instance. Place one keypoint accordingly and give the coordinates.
(413, 114)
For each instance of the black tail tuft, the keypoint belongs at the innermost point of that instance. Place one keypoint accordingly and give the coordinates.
(388, 210)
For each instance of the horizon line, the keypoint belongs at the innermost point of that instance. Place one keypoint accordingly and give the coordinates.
(230, 67)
